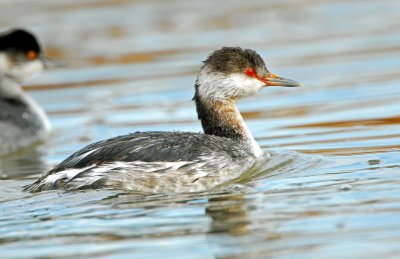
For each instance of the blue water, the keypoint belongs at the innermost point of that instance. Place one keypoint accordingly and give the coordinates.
(331, 187)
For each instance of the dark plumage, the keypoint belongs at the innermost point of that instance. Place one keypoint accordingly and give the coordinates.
(228, 60)
(19, 40)
(20, 126)
(151, 147)
(19, 113)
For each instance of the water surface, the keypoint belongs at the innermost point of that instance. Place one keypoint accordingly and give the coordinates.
(331, 187)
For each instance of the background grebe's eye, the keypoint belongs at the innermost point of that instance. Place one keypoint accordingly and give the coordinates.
(250, 72)
(31, 55)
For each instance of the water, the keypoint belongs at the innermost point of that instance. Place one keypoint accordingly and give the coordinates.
(331, 187)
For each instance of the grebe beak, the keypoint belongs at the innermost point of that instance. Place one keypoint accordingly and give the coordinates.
(275, 80)
(50, 63)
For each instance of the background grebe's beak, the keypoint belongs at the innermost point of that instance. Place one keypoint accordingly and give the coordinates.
(50, 63)
(275, 80)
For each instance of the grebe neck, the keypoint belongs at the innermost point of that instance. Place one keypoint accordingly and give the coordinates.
(222, 118)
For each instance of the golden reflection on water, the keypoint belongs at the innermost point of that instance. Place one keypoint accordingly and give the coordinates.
(351, 151)
(334, 124)
(228, 215)
(138, 57)
(133, 66)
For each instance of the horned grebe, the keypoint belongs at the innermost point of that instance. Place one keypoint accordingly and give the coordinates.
(154, 162)
(22, 121)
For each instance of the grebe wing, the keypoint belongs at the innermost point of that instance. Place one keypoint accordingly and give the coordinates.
(18, 126)
(151, 147)
(149, 161)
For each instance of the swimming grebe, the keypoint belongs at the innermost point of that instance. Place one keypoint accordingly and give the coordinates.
(154, 162)
(22, 121)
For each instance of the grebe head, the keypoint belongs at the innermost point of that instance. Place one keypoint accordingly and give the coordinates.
(231, 73)
(20, 55)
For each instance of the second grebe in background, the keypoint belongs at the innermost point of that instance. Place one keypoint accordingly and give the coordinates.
(153, 162)
(22, 121)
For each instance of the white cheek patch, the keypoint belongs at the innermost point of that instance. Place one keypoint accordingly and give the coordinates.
(21, 72)
(244, 85)
(219, 86)
(4, 63)
(28, 70)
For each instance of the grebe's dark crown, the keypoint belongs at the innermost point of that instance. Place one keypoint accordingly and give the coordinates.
(228, 60)
(19, 40)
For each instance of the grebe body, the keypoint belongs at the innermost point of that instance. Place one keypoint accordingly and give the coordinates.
(155, 162)
(22, 121)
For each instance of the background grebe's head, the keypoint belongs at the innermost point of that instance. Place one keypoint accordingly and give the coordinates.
(20, 55)
(231, 73)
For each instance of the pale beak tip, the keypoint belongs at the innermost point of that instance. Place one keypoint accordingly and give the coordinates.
(275, 80)
(50, 63)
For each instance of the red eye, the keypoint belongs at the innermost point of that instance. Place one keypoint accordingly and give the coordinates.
(31, 55)
(250, 72)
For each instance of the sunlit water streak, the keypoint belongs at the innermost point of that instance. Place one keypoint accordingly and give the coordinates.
(330, 188)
